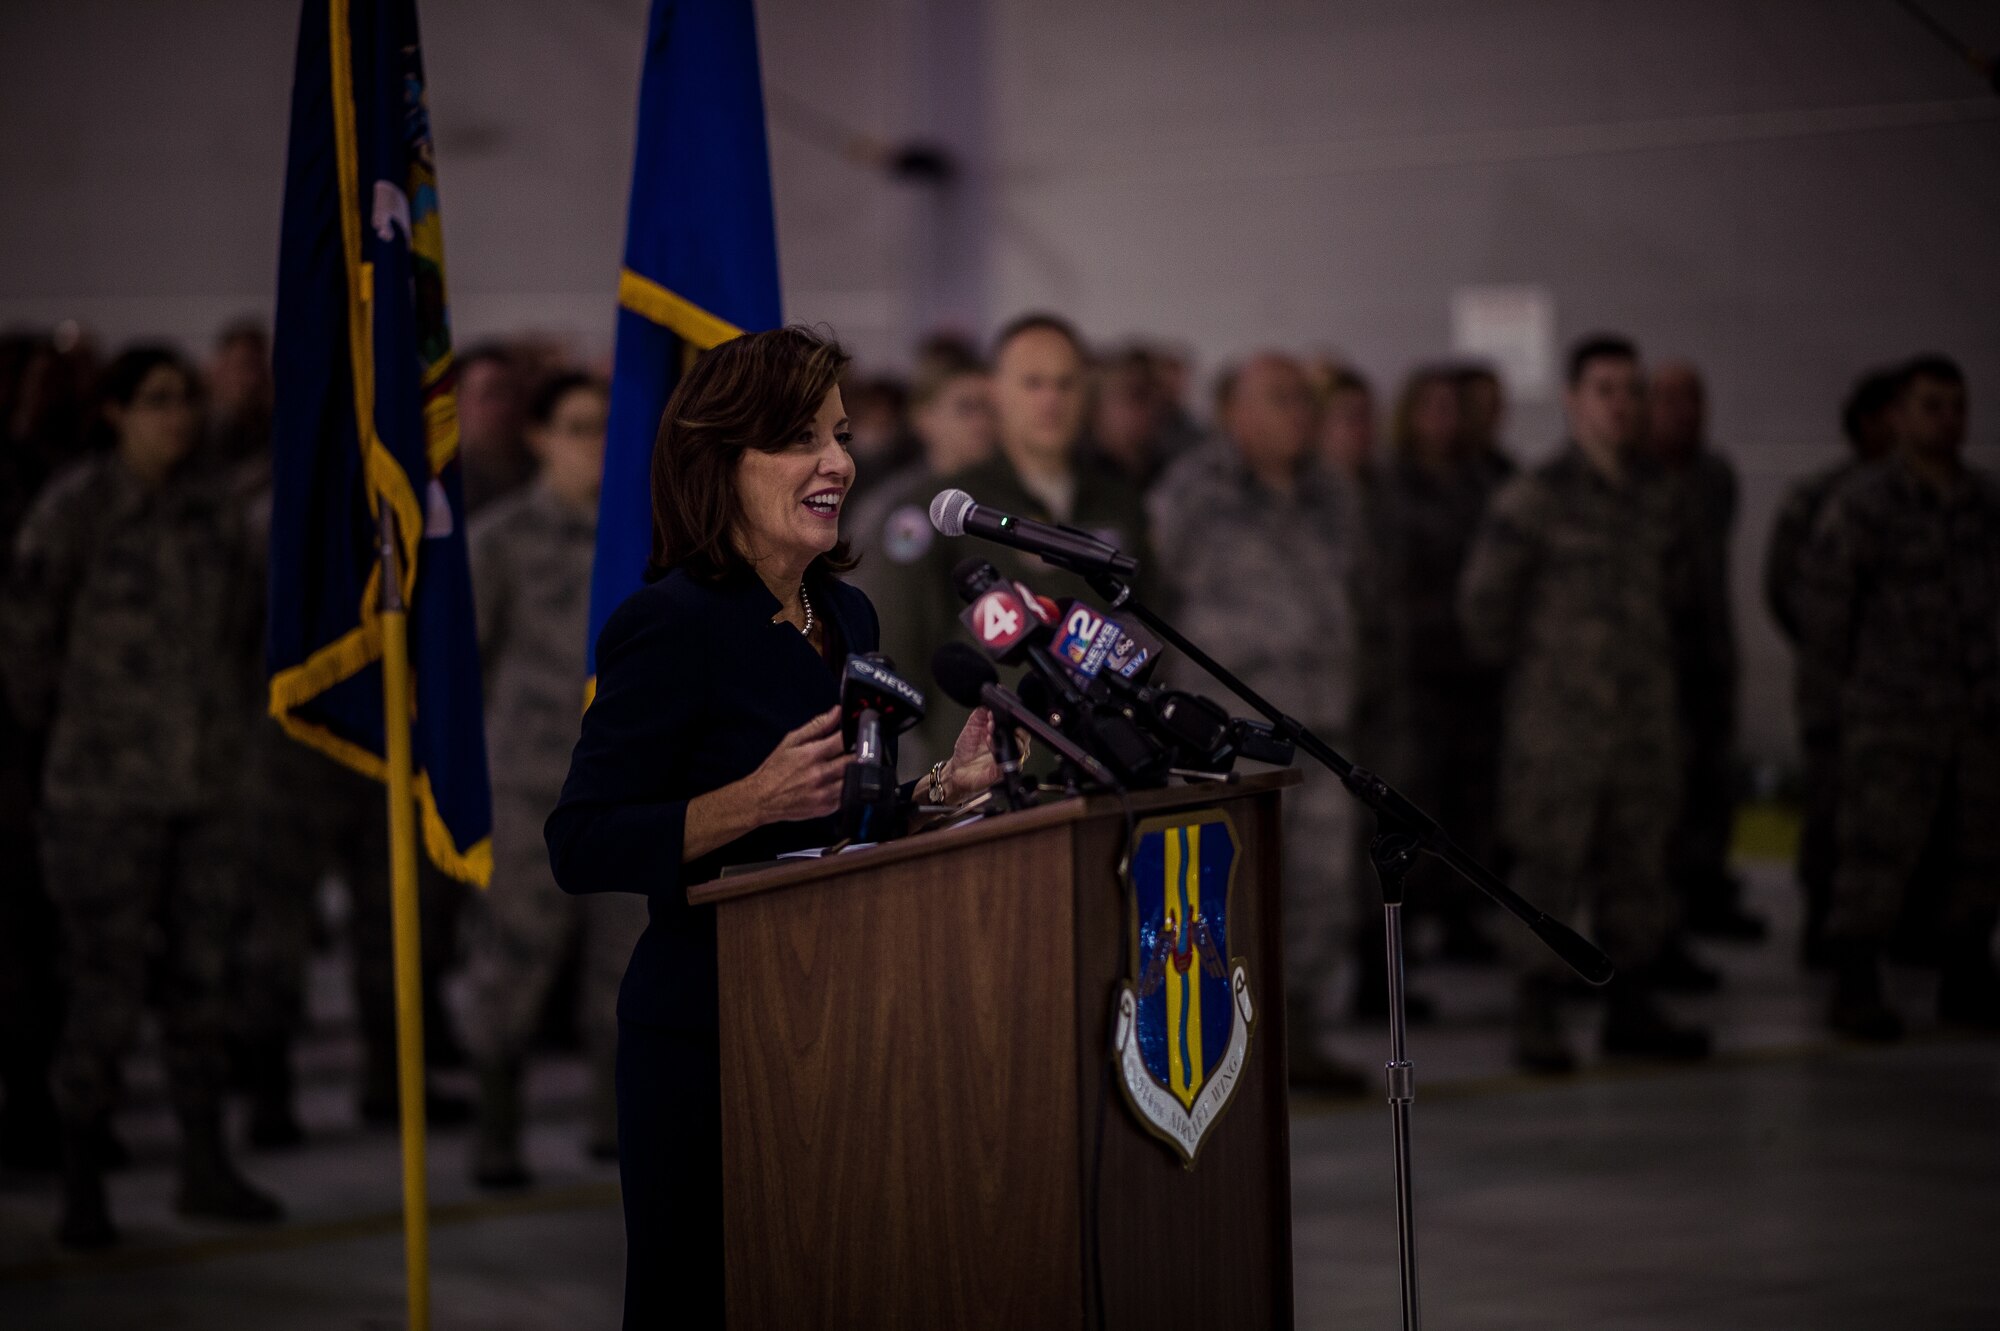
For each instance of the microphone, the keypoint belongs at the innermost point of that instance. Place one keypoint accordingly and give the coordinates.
(1011, 623)
(1004, 617)
(973, 575)
(956, 513)
(873, 695)
(875, 704)
(1091, 643)
(969, 680)
(1092, 671)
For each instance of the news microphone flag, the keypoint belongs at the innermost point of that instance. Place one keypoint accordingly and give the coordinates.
(366, 415)
(701, 256)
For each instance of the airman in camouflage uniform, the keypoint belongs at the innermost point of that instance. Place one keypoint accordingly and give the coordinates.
(531, 556)
(1902, 601)
(30, 987)
(951, 411)
(1440, 719)
(128, 634)
(1867, 424)
(1039, 393)
(1264, 556)
(307, 817)
(892, 533)
(1579, 586)
(1698, 848)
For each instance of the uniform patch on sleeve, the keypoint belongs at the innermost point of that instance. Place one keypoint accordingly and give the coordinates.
(907, 534)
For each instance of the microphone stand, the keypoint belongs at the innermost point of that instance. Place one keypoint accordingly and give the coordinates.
(1005, 704)
(1008, 754)
(1403, 832)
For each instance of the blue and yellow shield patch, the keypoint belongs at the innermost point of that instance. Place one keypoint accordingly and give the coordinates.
(1184, 1017)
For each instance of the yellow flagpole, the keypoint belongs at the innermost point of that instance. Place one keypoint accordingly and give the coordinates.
(404, 919)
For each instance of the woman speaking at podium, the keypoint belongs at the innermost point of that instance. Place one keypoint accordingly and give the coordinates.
(714, 739)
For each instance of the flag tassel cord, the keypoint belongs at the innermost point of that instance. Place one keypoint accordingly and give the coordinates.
(407, 942)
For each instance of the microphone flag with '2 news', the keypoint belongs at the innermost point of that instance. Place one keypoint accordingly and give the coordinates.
(701, 256)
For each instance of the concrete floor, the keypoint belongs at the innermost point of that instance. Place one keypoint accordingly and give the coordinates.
(1791, 1183)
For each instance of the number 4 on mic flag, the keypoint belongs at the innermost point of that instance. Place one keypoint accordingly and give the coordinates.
(998, 620)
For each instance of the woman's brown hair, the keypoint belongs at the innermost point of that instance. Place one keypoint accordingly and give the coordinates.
(755, 391)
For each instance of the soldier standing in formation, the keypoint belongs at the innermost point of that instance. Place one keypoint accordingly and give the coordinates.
(531, 557)
(128, 633)
(1128, 416)
(1482, 410)
(1868, 424)
(952, 415)
(40, 427)
(1346, 442)
(307, 817)
(1577, 586)
(1263, 552)
(493, 460)
(1442, 729)
(1698, 850)
(1901, 604)
(1039, 398)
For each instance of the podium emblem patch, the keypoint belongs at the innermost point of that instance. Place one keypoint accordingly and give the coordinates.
(1183, 1022)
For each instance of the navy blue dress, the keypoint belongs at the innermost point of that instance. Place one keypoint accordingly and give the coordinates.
(695, 687)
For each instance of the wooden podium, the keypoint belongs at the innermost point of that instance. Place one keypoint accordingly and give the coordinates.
(917, 1083)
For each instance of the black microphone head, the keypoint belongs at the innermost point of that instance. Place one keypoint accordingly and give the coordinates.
(868, 684)
(1035, 693)
(948, 510)
(1197, 724)
(971, 577)
(962, 672)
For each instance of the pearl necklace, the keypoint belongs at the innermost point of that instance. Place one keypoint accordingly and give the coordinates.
(806, 601)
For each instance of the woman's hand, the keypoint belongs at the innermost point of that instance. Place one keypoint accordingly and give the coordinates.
(802, 777)
(972, 767)
(800, 780)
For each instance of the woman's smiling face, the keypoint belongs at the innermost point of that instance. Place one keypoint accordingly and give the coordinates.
(790, 499)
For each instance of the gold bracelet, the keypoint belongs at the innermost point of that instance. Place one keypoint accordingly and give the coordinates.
(937, 780)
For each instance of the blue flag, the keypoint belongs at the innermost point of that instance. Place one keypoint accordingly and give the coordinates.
(366, 414)
(701, 256)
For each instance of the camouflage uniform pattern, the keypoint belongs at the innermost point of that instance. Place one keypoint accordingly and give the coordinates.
(1278, 587)
(918, 605)
(531, 558)
(891, 529)
(1815, 685)
(30, 987)
(1581, 589)
(1440, 727)
(129, 634)
(1698, 849)
(1901, 602)
(146, 905)
(310, 818)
